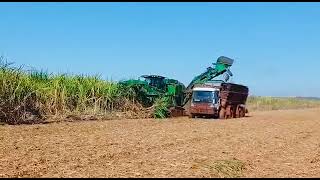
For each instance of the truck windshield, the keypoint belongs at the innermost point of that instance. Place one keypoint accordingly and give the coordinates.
(204, 96)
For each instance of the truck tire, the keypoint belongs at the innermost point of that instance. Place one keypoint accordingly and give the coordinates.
(222, 113)
(243, 112)
(234, 110)
(229, 112)
(238, 112)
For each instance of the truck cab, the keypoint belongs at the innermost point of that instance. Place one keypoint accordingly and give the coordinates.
(205, 102)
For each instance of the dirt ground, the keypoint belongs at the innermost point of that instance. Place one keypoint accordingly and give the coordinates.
(266, 144)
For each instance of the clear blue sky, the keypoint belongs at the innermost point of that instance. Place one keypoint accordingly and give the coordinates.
(276, 46)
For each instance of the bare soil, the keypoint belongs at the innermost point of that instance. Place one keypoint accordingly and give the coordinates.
(282, 143)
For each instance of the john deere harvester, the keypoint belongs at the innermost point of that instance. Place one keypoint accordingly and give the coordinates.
(152, 87)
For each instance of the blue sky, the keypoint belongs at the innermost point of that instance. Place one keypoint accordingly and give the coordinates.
(276, 46)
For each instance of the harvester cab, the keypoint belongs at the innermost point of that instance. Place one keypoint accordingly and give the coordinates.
(155, 81)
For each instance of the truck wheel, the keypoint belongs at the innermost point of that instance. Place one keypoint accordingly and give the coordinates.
(229, 112)
(222, 113)
(243, 112)
(238, 112)
(234, 110)
(237, 115)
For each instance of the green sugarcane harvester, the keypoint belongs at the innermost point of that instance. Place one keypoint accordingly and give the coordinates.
(155, 86)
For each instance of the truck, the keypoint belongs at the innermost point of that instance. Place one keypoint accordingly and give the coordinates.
(218, 100)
